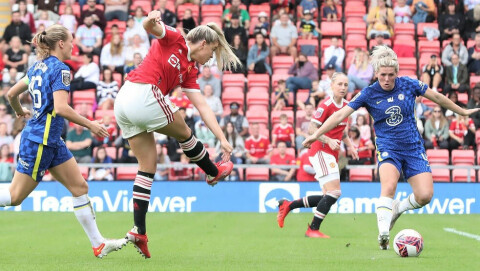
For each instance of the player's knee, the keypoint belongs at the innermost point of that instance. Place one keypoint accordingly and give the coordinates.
(424, 198)
(334, 193)
(80, 189)
(187, 132)
(15, 200)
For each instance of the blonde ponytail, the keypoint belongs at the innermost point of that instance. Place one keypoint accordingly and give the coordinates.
(46, 41)
(211, 33)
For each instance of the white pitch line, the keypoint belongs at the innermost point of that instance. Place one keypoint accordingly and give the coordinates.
(462, 233)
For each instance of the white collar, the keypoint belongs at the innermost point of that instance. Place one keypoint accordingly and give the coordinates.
(188, 54)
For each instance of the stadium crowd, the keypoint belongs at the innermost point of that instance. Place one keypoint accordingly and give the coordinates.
(289, 50)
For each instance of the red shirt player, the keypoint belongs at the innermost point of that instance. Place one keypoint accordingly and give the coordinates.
(282, 158)
(258, 146)
(283, 132)
(305, 172)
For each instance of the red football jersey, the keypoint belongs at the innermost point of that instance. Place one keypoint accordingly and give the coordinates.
(283, 132)
(302, 175)
(181, 102)
(459, 128)
(257, 147)
(167, 64)
(325, 109)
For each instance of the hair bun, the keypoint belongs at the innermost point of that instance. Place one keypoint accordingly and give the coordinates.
(44, 33)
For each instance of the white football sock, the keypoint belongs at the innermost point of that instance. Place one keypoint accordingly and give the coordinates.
(5, 198)
(86, 216)
(408, 203)
(384, 214)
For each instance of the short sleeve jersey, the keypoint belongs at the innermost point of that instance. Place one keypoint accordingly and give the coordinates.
(44, 78)
(325, 109)
(393, 112)
(167, 64)
(257, 147)
(283, 133)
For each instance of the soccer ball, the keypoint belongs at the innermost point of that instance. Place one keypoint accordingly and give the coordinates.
(408, 243)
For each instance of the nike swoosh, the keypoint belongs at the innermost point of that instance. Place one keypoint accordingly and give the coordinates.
(379, 102)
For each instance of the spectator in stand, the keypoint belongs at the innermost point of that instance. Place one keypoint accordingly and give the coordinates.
(311, 5)
(280, 12)
(68, 19)
(432, 73)
(6, 118)
(5, 137)
(26, 16)
(136, 47)
(14, 58)
(455, 47)
(139, 16)
(360, 72)
(258, 146)
(241, 52)
(456, 76)
(187, 116)
(6, 163)
(334, 54)
(137, 59)
(281, 96)
(179, 98)
(101, 174)
(308, 27)
(107, 90)
(380, 20)
(79, 142)
(303, 73)
(19, 29)
(131, 31)
(302, 124)
(213, 102)
(43, 19)
(113, 55)
(436, 130)
(126, 155)
(402, 12)
(240, 122)
(283, 132)
(474, 56)
(364, 148)
(423, 11)
(284, 38)
(363, 127)
(235, 9)
(213, 2)
(88, 76)
(263, 25)
(236, 29)
(257, 56)
(237, 142)
(453, 96)
(282, 158)
(168, 17)
(325, 85)
(179, 171)
(208, 79)
(88, 37)
(451, 22)
(329, 11)
(472, 25)
(474, 102)
(162, 159)
(204, 134)
(98, 16)
(462, 133)
(111, 129)
(187, 23)
(442, 6)
(305, 172)
(116, 9)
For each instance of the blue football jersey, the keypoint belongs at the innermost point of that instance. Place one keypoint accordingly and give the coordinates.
(44, 78)
(393, 112)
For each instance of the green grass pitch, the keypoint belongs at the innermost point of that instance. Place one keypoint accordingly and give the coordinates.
(234, 241)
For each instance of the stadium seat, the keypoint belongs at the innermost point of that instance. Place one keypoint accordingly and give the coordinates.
(439, 157)
(421, 33)
(429, 47)
(428, 103)
(302, 95)
(232, 94)
(76, 9)
(212, 19)
(356, 28)
(373, 42)
(122, 26)
(254, 10)
(327, 42)
(351, 44)
(408, 64)
(405, 29)
(259, 97)
(313, 42)
(257, 116)
(212, 11)
(354, 10)
(84, 96)
(257, 174)
(111, 151)
(233, 80)
(474, 79)
(194, 8)
(361, 175)
(276, 116)
(331, 29)
(277, 77)
(465, 157)
(281, 63)
(100, 113)
(441, 175)
(126, 173)
(144, 4)
(461, 175)
(463, 97)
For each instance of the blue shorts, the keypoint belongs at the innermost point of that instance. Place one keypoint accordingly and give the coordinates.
(412, 162)
(34, 158)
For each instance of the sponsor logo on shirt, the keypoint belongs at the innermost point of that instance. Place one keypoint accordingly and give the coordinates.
(174, 61)
(318, 113)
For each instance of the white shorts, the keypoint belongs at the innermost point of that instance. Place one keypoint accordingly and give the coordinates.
(325, 166)
(142, 107)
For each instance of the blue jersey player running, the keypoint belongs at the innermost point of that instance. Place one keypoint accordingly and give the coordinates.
(41, 148)
(390, 102)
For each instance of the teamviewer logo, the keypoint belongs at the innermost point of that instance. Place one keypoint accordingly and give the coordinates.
(271, 193)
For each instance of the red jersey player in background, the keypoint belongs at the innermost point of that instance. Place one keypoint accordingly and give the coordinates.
(283, 132)
(323, 155)
(141, 107)
(258, 146)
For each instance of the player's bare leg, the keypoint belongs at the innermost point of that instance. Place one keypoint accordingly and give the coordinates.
(388, 178)
(422, 186)
(22, 185)
(195, 150)
(69, 175)
(332, 192)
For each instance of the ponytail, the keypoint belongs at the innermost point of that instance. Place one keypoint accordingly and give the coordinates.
(46, 41)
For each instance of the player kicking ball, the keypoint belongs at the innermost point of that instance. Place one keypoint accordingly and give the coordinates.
(323, 156)
(390, 102)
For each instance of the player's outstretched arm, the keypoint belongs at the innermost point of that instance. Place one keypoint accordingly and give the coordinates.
(328, 125)
(443, 101)
(60, 104)
(349, 144)
(12, 95)
(152, 23)
(210, 120)
(332, 143)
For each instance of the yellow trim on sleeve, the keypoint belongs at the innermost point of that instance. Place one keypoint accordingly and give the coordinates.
(26, 80)
(37, 162)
